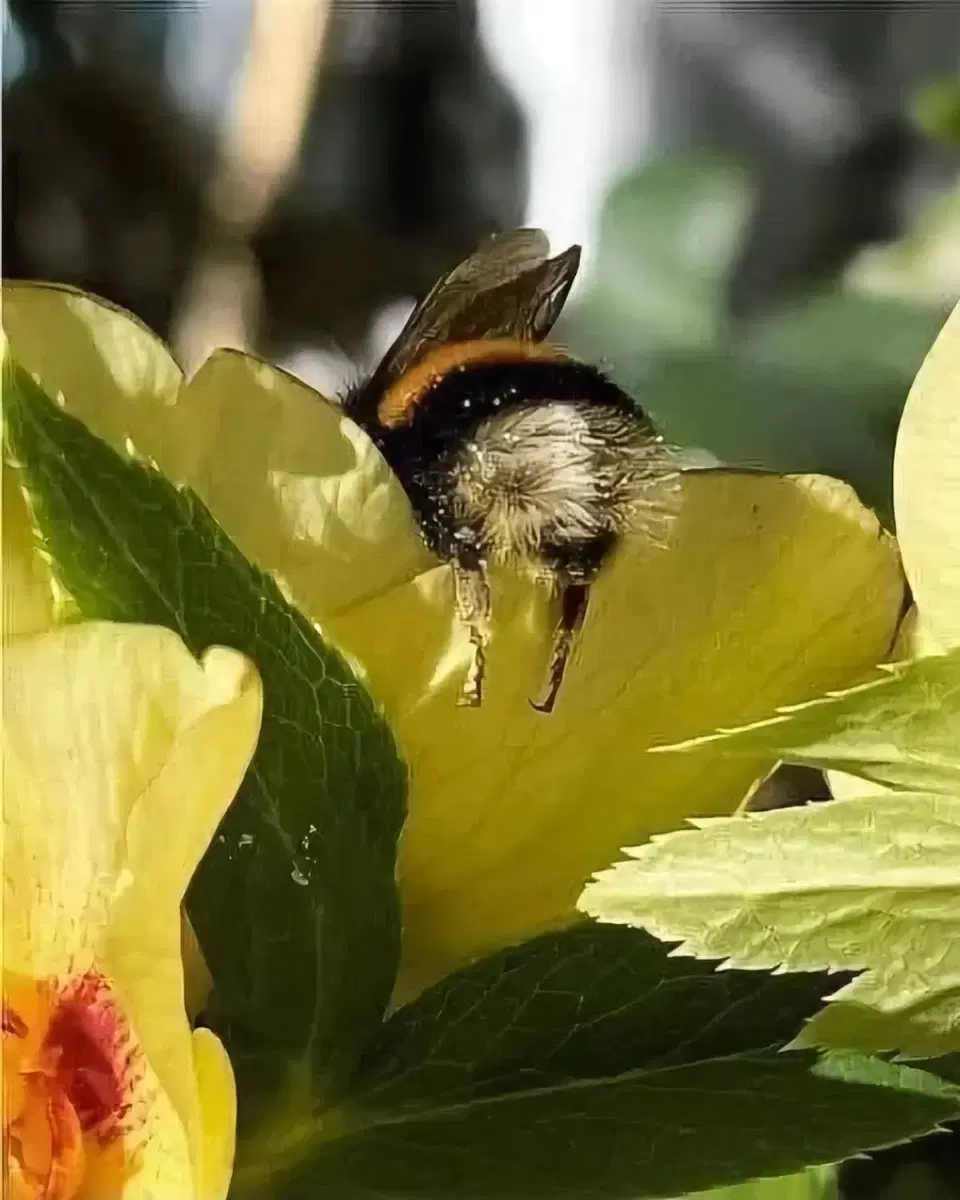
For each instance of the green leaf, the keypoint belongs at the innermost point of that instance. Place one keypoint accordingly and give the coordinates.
(902, 731)
(871, 882)
(295, 903)
(592, 1064)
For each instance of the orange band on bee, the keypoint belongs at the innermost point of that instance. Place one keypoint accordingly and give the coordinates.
(399, 401)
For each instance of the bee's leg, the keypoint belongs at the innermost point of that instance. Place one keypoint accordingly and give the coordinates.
(574, 595)
(473, 608)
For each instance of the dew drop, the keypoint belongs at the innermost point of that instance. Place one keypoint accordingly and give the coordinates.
(298, 877)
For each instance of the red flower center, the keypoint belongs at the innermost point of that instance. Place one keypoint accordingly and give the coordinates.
(70, 1070)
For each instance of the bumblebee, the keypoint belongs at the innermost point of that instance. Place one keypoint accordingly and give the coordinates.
(510, 450)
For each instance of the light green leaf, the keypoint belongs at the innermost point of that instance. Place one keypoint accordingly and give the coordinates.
(866, 883)
(927, 487)
(295, 902)
(592, 1064)
(780, 588)
(901, 731)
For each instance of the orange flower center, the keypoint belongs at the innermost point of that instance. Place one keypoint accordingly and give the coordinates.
(70, 1067)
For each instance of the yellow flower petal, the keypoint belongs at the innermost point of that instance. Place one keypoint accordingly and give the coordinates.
(218, 1107)
(313, 484)
(310, 481)
(926, 478)
(121, 754)
(110, 364)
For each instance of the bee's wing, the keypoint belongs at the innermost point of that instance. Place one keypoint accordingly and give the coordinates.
(509, 287)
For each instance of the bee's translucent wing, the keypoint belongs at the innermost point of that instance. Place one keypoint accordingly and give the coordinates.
(508, 287)
(504, 254)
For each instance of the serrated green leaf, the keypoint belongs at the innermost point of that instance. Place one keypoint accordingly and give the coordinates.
(901, 731)
(295, 903)
(592, 1064)
(867, 883)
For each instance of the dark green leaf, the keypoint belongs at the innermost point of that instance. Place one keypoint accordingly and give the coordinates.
(295, 903)
(591, 1064)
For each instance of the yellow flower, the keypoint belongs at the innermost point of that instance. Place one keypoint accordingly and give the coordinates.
(772, 590)
(121, 754)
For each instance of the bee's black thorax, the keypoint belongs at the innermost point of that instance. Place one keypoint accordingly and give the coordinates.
(425, 453)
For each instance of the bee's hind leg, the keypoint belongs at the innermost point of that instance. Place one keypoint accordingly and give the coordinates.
(472, 591)
(574, 597)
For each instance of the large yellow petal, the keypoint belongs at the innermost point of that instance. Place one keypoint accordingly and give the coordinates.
(121, 755)
(313, 485)
(926, 479)
(280, 469)
(114, 370)
(772, 590)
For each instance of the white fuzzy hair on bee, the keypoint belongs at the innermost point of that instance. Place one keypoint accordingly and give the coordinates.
(560, 472)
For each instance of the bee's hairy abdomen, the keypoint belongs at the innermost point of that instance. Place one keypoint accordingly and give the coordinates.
(541, 462)
(556, 483)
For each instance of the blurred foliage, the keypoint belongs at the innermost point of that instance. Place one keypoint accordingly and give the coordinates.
(102, 186)
(924, 264)
(815, 386)
(413, 151)
(936, 110)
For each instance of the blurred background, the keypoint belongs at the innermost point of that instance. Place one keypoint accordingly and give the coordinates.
(767, 193)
